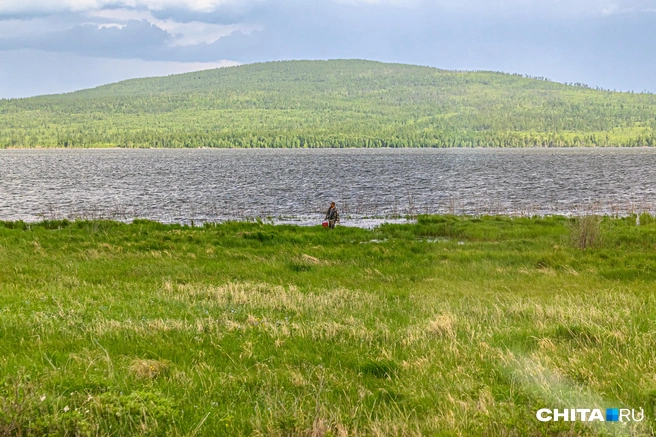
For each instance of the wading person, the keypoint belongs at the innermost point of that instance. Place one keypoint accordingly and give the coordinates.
(332, 215)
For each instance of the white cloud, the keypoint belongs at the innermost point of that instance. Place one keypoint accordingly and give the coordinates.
(552, 7)
(45, 6)
(183, 33)
(196, 33)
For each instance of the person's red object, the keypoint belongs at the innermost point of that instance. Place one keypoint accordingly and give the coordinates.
(324, 224)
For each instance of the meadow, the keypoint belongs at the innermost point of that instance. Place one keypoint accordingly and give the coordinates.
(451, 326)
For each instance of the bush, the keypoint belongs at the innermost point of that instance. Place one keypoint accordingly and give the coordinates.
(585, 232)
(645, 219)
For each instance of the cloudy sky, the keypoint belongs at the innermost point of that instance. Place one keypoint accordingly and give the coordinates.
(50, 46)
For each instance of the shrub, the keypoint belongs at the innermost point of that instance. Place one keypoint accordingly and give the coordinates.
(585, 231)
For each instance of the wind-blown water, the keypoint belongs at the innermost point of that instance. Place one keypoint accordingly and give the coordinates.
(292, 184)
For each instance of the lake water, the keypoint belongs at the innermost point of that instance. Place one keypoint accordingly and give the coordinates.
(297, 185)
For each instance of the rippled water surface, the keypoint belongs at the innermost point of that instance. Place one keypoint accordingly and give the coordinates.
(296, 185)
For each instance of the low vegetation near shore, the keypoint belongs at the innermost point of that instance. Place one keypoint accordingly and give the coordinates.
(451, 326)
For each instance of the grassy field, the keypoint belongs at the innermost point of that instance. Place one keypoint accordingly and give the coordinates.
(452, 326)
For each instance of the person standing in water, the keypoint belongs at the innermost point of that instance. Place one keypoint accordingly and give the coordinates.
(332, 215)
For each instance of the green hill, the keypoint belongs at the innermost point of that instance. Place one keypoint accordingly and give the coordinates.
(339, 103)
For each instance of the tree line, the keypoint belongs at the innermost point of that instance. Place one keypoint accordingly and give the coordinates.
(332, 104)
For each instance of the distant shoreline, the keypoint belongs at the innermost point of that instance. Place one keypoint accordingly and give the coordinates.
(334, 148)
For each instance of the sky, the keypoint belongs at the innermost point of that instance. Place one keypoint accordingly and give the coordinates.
(53, 46)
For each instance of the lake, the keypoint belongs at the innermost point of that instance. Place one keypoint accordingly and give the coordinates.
(296, 185)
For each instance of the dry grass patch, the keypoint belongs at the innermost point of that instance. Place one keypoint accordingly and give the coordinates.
(267, 296)
(442, 325)
(312, 260)
(148, 369)
(105, 327)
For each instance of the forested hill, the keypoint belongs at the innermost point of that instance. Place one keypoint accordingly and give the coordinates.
(331, 104)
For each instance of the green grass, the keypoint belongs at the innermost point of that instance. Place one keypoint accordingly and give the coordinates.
(452, 326)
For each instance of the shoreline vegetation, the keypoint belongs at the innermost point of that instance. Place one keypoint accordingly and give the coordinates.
(355, 210)
(449, 326)
(479, 147)
(331, 104)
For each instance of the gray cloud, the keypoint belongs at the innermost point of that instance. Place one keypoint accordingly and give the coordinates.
(133, 40)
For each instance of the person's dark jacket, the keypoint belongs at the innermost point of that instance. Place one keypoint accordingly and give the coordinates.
(332, 214)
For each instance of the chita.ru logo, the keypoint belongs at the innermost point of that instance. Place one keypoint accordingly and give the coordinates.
(590, 415)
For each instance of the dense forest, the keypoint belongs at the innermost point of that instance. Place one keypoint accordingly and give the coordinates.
(342, 103)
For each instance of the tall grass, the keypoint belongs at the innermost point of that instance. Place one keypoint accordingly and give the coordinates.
(586, 231)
